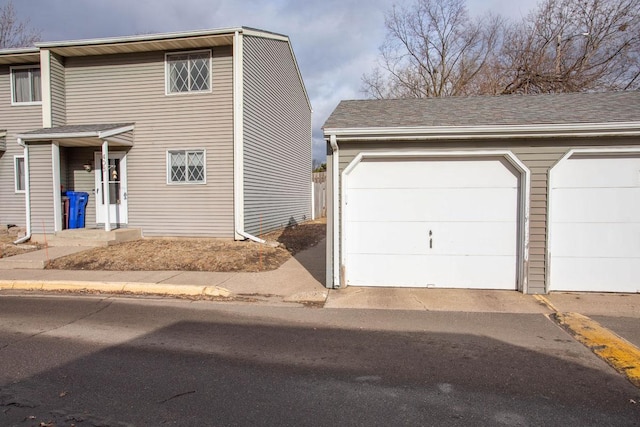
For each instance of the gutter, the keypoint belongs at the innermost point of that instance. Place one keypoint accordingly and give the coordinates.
(487, 132)
(27, 193)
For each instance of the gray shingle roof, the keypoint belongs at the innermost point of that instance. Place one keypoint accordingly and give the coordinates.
(566, 108)
(69, 129)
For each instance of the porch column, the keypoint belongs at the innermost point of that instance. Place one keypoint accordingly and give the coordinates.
(57, 197)
(105, 184)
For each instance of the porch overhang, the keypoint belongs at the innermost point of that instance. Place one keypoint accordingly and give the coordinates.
(93, 135)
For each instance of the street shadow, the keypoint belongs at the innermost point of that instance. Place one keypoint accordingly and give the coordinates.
(236, 371)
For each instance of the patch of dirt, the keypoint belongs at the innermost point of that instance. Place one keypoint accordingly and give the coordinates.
(8, 236)
(198, 254)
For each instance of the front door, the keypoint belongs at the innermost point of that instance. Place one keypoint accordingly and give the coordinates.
(117, 189)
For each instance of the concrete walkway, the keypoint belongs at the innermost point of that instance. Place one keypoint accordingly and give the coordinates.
(301, 279)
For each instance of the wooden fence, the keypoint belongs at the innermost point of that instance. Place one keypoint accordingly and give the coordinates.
(319, 181)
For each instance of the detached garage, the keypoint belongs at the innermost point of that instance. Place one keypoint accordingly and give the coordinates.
(529, 193)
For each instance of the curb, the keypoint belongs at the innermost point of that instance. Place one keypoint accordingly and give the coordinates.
(111, 287)
(623, 356)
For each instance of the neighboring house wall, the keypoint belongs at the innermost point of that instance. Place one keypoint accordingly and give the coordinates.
(277, 138)
(41, 182)
(58, 107)
(538, 156)
(131, 88)
(14, 119)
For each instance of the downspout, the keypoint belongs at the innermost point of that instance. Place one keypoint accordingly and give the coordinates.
(335, 164)
(238, 142)
(27, 193)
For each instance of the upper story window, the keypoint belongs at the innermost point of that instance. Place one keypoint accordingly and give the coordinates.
(188, 72)
(25, 85)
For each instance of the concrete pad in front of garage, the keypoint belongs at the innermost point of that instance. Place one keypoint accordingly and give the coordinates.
(596, 304)
(461, 300)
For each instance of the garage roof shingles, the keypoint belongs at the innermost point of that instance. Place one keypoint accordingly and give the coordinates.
(565, 108)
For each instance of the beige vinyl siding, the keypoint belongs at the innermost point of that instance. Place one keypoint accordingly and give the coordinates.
(131, 88)
(538, 156)
(277, 138)
(58, 113)
(41, 185)
(14, 119)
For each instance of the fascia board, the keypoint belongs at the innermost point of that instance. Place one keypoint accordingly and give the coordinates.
(139, 38)
(486, 132)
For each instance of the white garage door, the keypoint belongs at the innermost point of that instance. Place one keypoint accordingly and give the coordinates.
(450, 223)
(594, 242)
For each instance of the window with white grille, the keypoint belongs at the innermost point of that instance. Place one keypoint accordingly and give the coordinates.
(188, 72)
(186, 166)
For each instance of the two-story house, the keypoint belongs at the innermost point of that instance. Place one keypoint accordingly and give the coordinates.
(205, 133)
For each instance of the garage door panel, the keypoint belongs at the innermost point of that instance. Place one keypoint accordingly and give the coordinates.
(595, 224)
(469, 205)
(596, 172)
(601, 240)
(433, 174)
(492, 204)
(465, 239)
(489, 272)
(596, 205)
(585, 274)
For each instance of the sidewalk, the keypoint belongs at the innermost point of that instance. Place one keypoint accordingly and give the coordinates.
(300, 280)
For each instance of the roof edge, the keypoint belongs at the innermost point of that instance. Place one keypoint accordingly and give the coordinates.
(157, 37)
(486, 132)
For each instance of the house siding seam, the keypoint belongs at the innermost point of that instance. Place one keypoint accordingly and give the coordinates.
(14, 119)
(539, 157)
(277, 138)
(41, 186)
(127, 88)
(58, 108)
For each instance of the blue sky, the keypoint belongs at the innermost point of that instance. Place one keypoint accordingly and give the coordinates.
(335, 41)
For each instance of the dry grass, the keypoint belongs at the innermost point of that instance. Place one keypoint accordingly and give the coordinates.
(198, 254)
(7, 248)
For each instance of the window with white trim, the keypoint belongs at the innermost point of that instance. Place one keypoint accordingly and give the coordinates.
(188, 72)
(186, 167)
(25, 85)
(19, 173)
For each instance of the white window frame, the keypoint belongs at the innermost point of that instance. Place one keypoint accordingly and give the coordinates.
(167, 74)
(13, 92)
(186, 152)
(16, 177)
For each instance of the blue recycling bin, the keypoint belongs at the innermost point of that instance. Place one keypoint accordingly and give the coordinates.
(77, 205)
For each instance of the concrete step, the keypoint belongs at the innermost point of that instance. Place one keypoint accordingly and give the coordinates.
(37, 260)
(88, 237)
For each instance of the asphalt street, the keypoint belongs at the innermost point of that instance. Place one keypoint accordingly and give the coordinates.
(83, 361)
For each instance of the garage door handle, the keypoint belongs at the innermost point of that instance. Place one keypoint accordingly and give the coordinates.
(430, 239)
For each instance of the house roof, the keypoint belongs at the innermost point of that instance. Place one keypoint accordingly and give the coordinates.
(14, 56)
(522, 115)
(152, 42)
(84, 135)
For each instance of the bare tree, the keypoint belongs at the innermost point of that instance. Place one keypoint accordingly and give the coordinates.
(571, 46)
(13, 32)
(432, 48)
